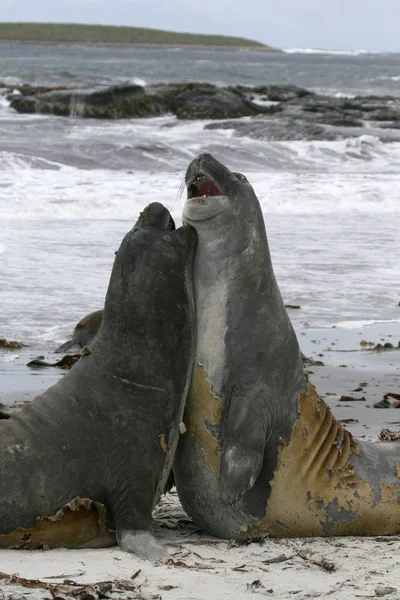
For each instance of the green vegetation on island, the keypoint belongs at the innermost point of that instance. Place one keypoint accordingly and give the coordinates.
(106, 34)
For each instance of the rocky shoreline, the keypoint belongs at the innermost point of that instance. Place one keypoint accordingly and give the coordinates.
(277, 112)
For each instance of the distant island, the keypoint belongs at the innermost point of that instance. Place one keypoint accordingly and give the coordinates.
(73, 33)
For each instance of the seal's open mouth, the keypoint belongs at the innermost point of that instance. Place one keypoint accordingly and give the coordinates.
(202, 187)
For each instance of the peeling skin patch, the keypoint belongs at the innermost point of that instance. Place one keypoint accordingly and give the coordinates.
(79, 524)
(163, 443)
(202, 419)
(319, 464)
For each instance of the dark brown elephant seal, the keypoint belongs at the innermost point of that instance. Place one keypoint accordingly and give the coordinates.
(108, 430)
(262, 453)
(84, 332)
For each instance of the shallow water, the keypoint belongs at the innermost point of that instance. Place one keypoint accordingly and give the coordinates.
(71, 188)
(77, 65)
(336, 268)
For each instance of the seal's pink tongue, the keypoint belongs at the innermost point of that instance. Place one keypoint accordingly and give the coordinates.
(207, 188)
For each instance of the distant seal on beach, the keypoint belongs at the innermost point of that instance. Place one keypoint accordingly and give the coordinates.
(87, 328)
(262, 453)
(108, 430)
(84, 332)
(5, 411)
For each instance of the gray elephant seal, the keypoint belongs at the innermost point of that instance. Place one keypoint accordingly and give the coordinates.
(87, 328)
(108, 430)
(262, 453)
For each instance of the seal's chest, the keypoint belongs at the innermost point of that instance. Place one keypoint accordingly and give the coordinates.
(202, 420)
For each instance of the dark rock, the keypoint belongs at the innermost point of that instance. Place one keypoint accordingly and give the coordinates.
(384, 403)
(370, 109)
(340, 120)
(297, 114)
(321, 105)
(385, 114)
(275, 129)
(385, 347)
(389, 125)
(278, 93)
(213, 103)
(108, 103)
(23, 104)
(170, 90)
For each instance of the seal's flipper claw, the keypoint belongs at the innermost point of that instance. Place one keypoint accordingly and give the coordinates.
(242, 452)
(141, 543)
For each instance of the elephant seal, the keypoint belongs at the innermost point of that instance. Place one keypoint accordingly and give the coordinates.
(5, 411)
(262, 453)
(84, 332)
(87, 328)
(108, 430)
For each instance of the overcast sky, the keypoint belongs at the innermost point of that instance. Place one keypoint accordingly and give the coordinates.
(329, 24)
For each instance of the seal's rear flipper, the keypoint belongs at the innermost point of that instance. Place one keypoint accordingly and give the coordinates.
(242, 450)
(141, 543)
(66, 346)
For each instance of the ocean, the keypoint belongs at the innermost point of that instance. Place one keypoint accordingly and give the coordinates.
(70, 188)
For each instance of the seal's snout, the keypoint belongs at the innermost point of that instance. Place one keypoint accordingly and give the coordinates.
(202, 186)
(157, 216)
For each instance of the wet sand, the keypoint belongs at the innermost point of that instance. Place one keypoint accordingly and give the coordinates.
(19, 383)
(347, 364)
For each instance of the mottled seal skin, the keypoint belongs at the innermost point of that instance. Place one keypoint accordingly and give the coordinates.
(108, 430)
(262, 454)
(88, 327)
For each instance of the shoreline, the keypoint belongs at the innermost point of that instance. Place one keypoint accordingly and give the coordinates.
(347, 363)
(145, 45)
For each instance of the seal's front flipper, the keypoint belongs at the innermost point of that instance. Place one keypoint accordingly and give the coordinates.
(242, 450)
(141, 543)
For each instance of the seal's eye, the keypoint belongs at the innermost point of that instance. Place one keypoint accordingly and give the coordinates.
(240, 176)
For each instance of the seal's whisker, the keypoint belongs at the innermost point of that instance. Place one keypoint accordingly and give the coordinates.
(178, 203)
(182, 189)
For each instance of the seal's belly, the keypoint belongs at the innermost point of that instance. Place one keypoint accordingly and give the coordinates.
(314, 490)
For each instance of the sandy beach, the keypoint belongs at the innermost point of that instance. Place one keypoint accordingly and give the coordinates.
(202, 567)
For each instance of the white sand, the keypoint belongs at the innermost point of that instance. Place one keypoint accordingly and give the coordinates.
(211, 569)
